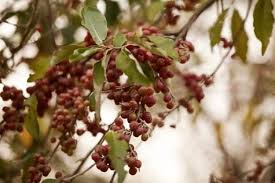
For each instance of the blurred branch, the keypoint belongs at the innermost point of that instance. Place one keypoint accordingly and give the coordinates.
(16, 25)
(87, 156)
(184, 30)
(113, 177)
(231, 47)
(79, 174)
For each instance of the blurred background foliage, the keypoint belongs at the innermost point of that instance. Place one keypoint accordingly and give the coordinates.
(243, 131)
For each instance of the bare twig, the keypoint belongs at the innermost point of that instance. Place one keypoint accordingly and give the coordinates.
(243, 174)
(113, 177)
(10, 23)
(184, 30)
(234, 40)
(79, 174)
(87, 156)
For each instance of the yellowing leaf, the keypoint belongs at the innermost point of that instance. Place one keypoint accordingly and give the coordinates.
(40, 66)
(240, 37)
(216, 29)
(263, 22)
(30, 120)
(154, 10)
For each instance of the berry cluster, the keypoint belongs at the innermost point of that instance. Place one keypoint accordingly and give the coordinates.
(38, 169)
(13, 117)
(133, 101)
(112, 73)
(184, 48)
(100, 156)
(59, 79)
(132, 161)
(194, 83)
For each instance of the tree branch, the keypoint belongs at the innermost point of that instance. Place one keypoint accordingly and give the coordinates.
(184, 30)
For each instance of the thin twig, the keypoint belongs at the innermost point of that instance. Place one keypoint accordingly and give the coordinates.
(54, 151)
(113, 177)
(184, 30)
(234, 40)
(10, 23)
(88, 155)
(79, 174)
(243, 174)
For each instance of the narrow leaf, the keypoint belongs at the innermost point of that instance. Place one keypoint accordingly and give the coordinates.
(92, 102)
(263, 22)
(117, 154)
(98, 73)
(30, 120)
(240, 37)
(216, 29)
(129, 67)
(119, 40)
(95, 22)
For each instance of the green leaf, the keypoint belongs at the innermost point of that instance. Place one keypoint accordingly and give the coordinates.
(117, 154)
(148, 71)
(216, 29)
(240, 37)
(154, 10)
(119, 40)
(82, 53)
(92, 102)
(30, 120)
(165, 44)
(50, 181)
(263, 22)
(64, 52)
(112, 12)
(129, 67)
(40, 66)
(98, 71)
(91, 3)
(95, 22)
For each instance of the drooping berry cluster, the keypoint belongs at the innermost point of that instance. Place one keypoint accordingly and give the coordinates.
(133, 101)
(13, 117)
(38, 169)
(131, 159)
